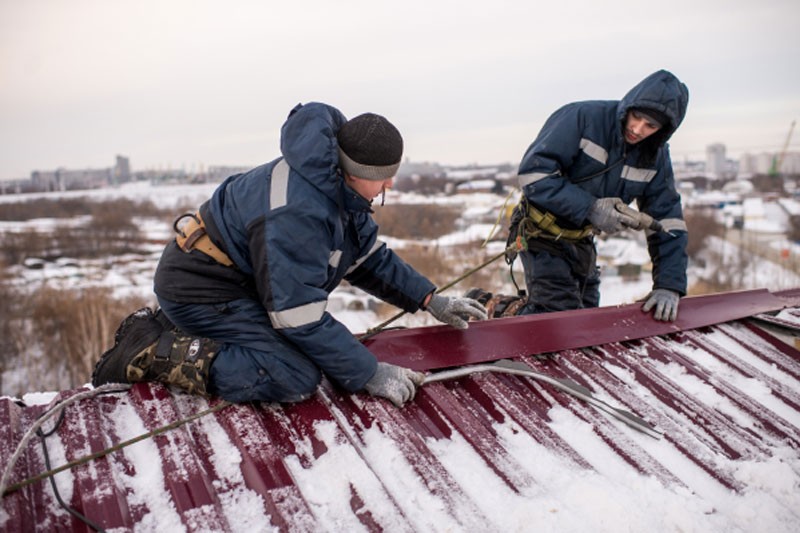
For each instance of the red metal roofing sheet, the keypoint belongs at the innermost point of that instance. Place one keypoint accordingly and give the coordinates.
(488, 452)
(443, 346)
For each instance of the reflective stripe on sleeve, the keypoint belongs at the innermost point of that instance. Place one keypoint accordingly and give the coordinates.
(674, 224)
(375, 247)
(643, 175)
(527, 179)
(334, 259)
(279, 185)
(594, 150)
(298, 316)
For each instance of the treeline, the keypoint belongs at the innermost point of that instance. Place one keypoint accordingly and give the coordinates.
(84, 229)
(75, 207)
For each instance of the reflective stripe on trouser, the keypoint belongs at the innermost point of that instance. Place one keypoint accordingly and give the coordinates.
(553, 286)
(255, 362)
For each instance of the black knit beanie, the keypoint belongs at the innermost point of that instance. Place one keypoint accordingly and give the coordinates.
(370, 147)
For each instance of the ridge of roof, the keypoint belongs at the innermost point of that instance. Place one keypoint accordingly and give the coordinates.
(435, 347)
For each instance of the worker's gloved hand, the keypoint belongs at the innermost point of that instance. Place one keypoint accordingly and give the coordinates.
(395, 383)
(665, 302)
(456, 311)
(605, 217)
(637, 220)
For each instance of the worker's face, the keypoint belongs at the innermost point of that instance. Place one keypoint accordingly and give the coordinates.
(369, 189)
(638, 127)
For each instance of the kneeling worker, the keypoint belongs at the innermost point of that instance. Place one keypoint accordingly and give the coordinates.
(243, 290)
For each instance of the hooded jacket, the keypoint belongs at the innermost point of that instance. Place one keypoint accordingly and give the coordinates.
(294, 231)
(581, 155)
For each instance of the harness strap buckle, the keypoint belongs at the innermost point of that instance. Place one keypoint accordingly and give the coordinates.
(546, 223)
(189, 233)
(192, 236)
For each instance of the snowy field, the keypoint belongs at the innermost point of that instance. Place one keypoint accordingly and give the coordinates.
(132, 274)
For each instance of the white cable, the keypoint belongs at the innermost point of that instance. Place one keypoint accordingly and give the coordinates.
(56, 409)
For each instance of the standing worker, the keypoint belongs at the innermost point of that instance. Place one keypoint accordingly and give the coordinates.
(244, 287)
(590, 160)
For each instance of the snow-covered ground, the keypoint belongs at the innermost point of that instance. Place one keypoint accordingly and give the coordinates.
(132, 274)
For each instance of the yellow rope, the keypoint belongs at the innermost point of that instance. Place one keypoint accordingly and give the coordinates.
(499, 216)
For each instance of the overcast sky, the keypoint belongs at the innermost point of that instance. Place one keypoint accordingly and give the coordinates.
(191, 83)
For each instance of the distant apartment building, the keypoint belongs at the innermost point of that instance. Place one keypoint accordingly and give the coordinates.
(122, 170)
(715, 160)
(755, 163)
(791, 163)
(764, 163)
(63, 179)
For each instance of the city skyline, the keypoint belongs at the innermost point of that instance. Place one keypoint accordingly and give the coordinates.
(715, 163)
(184, 84)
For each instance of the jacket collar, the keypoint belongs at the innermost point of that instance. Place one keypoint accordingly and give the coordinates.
(354, 202)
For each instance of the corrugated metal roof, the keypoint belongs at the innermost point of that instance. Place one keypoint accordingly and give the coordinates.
(725, 395)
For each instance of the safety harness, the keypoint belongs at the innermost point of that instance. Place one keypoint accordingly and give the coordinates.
(538, 224)
(531, 229)
(193, 236)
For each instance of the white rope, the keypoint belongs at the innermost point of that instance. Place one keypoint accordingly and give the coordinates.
(55, 410)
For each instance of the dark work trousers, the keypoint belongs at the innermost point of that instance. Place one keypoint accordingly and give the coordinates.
(559, 282)
(255, 362)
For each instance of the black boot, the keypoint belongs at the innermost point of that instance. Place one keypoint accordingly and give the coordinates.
(476, 293)
(136, 334)
(497, 305)
(147, 347)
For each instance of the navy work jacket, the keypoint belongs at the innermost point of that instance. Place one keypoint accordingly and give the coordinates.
(581, 155)
(294, 231)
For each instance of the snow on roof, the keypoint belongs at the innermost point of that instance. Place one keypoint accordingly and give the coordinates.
(486, 452)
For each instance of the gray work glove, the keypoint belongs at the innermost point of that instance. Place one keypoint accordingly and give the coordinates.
(456, 311)
(666, 303)
(395, 383)
(605, 217)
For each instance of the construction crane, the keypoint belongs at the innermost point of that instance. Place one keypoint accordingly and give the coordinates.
(777, 161)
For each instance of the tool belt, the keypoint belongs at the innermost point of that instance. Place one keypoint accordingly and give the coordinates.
(538, 224)
(192, 236)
